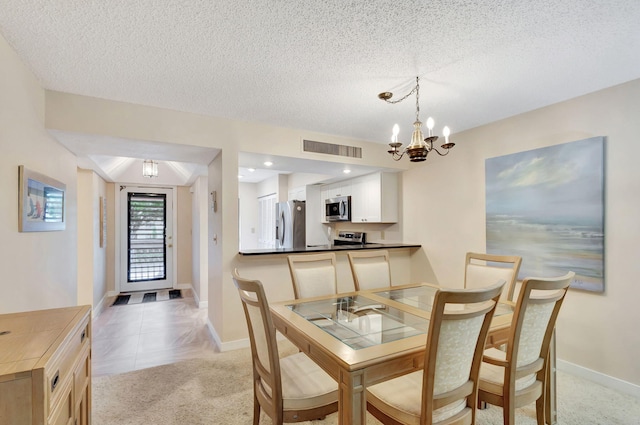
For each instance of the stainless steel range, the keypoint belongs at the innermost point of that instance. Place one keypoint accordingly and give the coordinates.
(350, 238)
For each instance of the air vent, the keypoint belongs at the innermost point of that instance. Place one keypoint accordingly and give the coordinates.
(331, 149)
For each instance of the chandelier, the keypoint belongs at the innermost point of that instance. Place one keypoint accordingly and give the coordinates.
(149, 168)
(420, 146)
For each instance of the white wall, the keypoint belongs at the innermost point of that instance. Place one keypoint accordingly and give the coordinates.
(596, 331)
(92, 258)
(99, 189)
(248, 205)
(85, 238)
(183, 235)
(39, 269)
(200, 205)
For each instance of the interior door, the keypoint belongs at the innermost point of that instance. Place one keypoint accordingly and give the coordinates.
(146, 240)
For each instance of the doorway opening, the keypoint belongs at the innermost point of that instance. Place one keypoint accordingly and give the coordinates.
(146, 239)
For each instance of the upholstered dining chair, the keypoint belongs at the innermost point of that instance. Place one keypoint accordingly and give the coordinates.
(370, 269)
(313, 275)
(517, 377)
(288, 389)
(478, 273)
(445, 391)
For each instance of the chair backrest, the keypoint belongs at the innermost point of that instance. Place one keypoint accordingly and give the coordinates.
(478, 273)
(460, 320)
(534, 320)
(264, 349)
(313, 275)
(370, 268)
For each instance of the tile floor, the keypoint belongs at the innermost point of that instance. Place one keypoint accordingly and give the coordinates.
(138, 336)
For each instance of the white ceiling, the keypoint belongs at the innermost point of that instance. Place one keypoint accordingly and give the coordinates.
(318, 66)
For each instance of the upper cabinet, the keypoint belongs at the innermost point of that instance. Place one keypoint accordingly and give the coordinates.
(297, 194)
(334, 190)
(374, 198)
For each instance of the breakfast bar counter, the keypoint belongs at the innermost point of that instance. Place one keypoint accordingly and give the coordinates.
(327, 248)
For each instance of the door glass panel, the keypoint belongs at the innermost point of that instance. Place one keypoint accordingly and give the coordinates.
(147, 253)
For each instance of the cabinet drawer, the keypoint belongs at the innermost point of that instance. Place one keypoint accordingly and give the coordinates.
(60, 369)
(63, 410)
(82, 375)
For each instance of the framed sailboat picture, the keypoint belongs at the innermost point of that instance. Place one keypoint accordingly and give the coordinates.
(41, 203)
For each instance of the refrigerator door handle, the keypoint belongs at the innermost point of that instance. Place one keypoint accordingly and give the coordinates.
(282, 228)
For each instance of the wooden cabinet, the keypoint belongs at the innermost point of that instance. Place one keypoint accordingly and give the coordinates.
(45, 367)
(374, 198)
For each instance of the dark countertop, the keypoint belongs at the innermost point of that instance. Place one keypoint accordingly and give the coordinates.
(325, 248)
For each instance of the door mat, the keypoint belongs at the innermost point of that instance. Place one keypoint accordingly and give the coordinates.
(147, 297)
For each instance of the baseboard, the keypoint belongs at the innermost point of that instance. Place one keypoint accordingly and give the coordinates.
(113, 293)
(599, 378)
(200, 304)
(100, 307)
(226, 346)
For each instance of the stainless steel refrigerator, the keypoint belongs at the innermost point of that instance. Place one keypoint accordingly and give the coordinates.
(290, 224)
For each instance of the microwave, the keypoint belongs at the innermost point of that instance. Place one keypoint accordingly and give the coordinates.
(338, 209)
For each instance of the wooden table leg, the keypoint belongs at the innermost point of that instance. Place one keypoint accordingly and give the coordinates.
(352, 402)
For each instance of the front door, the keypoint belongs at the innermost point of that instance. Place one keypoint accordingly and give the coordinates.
(146, 239)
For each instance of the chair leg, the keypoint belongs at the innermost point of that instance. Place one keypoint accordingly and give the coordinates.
(256, 411)
(540, 416)
(509, 414)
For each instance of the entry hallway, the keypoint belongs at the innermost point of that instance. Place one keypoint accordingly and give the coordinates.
(139, 336)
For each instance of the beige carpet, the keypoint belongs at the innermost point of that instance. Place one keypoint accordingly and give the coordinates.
(217, 390)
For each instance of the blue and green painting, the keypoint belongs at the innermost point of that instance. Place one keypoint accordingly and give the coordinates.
(547, 206)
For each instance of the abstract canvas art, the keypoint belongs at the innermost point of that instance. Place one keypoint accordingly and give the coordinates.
(547, 206)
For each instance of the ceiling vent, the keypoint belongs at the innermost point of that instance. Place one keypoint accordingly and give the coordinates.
(331, 149)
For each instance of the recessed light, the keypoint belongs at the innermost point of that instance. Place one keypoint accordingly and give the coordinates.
(268, 163)
(346, 171)
(251, 170)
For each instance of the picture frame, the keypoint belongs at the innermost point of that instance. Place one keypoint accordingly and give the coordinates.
(41, 202)
(547, 205)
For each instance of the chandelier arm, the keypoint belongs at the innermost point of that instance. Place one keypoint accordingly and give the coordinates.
(396, 156)
(438, 152)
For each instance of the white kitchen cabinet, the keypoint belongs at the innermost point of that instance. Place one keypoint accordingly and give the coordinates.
(335, 190)
(374, 198)
(297, 194)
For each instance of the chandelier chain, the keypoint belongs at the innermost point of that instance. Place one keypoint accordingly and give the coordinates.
(415, 90)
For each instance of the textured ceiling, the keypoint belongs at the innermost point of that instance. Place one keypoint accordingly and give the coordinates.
(318, 65)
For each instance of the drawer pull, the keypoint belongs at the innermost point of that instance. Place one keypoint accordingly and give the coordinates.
(83, 335)
(55, 380)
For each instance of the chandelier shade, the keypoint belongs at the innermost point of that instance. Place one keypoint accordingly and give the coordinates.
(420, 146)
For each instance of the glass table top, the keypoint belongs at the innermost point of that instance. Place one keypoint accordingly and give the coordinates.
(422, 297)
(361, 322)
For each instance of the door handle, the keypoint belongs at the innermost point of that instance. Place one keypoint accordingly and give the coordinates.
(283, 229)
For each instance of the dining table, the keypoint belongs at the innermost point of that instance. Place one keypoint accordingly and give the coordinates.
(365, 337)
